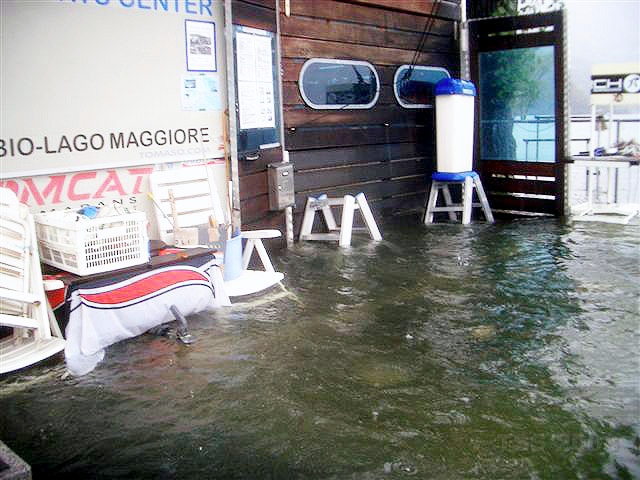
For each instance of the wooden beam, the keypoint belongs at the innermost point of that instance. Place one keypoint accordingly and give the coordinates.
(365, 14)
(444, 9)
(308, 48)
(349, 32)
(327, 137)
(335, 157)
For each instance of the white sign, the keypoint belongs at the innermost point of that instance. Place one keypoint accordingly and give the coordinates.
(201, 46)
(200, 92)
(615, 83)
(93, 187)
(86, 99)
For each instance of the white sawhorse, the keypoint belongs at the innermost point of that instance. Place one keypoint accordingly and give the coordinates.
(469, 181)
(343, 232)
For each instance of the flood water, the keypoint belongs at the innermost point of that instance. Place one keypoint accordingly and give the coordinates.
(445, 352)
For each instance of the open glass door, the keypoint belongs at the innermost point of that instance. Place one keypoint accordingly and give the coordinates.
(517, 65)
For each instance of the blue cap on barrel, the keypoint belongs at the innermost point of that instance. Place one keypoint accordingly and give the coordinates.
(454, 86)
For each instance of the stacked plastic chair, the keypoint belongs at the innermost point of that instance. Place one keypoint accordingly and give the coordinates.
(30, 332)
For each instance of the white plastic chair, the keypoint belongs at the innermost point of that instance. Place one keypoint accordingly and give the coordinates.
(33, 332)
(196, 199)
(239, 280)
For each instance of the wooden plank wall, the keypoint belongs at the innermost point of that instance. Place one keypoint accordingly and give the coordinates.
(386, 151)
(254, 199)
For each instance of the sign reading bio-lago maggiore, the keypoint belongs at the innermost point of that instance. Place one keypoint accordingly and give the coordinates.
(109, 84)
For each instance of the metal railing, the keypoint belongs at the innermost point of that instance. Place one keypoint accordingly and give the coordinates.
(610, 184)
(532, 134)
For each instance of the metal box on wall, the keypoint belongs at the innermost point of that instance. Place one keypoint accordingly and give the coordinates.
(281, 191)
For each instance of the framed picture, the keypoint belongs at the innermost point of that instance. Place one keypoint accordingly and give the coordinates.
(200, 43)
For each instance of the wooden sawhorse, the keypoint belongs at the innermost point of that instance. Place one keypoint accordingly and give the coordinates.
(341, 233)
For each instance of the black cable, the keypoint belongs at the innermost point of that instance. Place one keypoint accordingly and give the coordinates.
(426, 30)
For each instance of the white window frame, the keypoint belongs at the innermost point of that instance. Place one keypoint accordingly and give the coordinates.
(415, 67)
(346, 106)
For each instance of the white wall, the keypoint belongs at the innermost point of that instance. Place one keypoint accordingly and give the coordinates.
(72, 71)
(107, 71)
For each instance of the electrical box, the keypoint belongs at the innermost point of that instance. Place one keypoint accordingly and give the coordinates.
(281, 192)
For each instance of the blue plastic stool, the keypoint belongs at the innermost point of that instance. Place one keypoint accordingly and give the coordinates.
(468, 181)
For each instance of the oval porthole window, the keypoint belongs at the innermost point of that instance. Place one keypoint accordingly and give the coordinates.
(413, 85)
(327, 83)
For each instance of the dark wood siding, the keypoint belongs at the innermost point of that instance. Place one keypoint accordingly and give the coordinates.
(386, 151)
(254, 199)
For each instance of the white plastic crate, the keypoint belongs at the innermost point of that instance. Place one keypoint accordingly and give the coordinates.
(85, 246)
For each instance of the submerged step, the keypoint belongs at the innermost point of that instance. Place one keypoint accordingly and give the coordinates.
(12, 467)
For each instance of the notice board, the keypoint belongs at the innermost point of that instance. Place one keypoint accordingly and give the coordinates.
(257, 93)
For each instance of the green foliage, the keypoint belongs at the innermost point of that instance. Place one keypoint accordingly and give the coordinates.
(512, 78)
(505, 8)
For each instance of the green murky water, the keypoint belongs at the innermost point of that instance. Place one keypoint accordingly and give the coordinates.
(487, 352)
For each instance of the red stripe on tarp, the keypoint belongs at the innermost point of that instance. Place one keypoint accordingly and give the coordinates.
(56, 297)
(145, 286)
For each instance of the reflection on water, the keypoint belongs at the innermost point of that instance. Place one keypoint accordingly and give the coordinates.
(489, 352)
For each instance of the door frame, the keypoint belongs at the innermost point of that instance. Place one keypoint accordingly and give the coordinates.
(514, 186)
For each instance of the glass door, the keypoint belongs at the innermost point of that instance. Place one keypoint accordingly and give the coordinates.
(517, 65)
(517, 105)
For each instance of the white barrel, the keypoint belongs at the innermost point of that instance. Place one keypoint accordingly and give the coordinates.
(454, 125)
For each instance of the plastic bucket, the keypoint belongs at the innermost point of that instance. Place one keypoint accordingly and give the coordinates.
(232, 258)
(454, 125)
